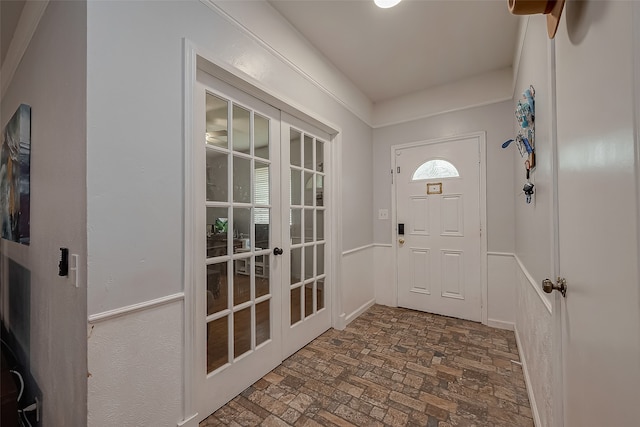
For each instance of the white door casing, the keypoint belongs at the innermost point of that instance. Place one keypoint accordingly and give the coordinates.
(440, 264)
(597, 213)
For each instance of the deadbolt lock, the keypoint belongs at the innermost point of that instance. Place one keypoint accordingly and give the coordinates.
(561, 285)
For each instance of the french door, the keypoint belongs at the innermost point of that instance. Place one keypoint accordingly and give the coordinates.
(306, 294)
(260, 257)
(238, 334)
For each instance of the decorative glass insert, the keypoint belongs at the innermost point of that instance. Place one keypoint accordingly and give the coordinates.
(435, 169)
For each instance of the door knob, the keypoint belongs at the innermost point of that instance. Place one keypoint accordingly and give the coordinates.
(561, 285)
(401, 241)
(277, 251)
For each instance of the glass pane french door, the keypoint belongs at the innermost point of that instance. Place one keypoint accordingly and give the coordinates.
(306, 292)
(238, 210)
(261, 182)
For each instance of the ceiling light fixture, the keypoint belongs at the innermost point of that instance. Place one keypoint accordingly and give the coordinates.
(385, 4)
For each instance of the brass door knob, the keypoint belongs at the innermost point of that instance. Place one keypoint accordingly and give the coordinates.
(401, 241)
(561, 285)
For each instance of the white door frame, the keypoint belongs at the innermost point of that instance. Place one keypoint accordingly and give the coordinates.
(557, 386)
(482, 145)
(197, 57)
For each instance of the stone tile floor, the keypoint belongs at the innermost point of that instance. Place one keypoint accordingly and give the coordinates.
(391, 367)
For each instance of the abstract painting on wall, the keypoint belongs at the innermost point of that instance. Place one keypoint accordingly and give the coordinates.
(15, 167)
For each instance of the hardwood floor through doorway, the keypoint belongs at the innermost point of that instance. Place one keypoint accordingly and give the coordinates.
(391, 367)
(218, 331)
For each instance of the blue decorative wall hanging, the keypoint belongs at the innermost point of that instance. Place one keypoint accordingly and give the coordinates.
(525, 138)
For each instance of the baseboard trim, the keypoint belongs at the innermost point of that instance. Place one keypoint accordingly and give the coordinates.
(501, 324)
(189, 422)
(364, 307)
(527, 381)
(112, 314)
(340, 322)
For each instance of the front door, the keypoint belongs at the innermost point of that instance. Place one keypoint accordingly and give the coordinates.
(438, 227)
(597, 197)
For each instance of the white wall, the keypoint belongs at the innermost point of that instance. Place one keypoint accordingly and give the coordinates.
(132, 390)
(51, 79)
(357, 270)
(534, 333)
(383, 275)
(135, 176)
(501, 290)
(534, 233)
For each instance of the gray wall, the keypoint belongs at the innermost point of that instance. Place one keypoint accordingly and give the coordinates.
(134, 118)
(52, 79)
(533, 221)
(135, 180)
(534, 234)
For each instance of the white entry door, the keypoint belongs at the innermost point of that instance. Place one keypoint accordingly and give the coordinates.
(262, 236)
(597, 198)
(437, 189)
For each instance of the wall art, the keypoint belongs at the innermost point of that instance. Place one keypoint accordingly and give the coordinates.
(15, 171)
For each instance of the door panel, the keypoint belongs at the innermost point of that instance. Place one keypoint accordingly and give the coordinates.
(452, 216)
(238, 211)
(438, 201)
(597, 196)
(306, 181)
(421, 280)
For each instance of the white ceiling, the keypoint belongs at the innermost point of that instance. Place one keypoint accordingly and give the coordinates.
(387, 53)
(413, 46)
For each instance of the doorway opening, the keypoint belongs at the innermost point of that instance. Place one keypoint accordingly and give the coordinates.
(259, 275)
(439, 212)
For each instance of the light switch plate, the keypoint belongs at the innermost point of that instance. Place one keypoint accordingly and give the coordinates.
(383, 213)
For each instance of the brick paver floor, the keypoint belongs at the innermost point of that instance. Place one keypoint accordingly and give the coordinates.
(391, 367)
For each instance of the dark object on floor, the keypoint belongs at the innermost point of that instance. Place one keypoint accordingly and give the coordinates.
(9, 396)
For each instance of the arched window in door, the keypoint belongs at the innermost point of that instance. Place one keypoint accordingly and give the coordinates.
(436, 168)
